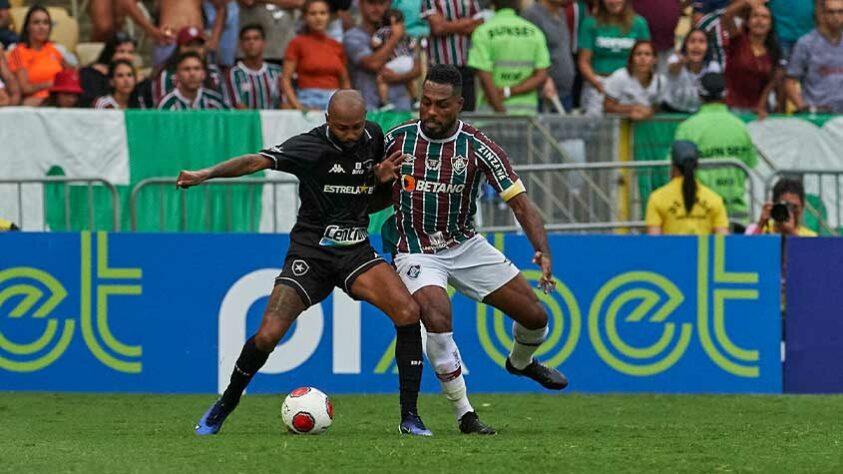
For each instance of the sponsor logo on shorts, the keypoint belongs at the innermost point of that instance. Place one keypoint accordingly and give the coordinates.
(414, 271)
(300, 267)
(338, 189)
(410, 184)
(336, 236)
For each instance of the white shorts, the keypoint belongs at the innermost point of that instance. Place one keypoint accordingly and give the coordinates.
(475, 268)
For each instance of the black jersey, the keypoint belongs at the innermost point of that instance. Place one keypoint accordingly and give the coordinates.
(336, 186)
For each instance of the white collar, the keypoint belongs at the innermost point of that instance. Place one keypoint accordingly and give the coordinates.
(441, 140)
(253, 72)
(195, 102)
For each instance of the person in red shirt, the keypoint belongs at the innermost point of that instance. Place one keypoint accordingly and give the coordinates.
(753, 58)
(317, 60)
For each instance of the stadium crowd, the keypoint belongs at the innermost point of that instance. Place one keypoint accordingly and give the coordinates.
(627, 57)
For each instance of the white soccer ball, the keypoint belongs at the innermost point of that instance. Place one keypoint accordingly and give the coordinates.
(307, 410)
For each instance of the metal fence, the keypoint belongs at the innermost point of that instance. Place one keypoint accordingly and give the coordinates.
(33, 200)
(580, 207)
(550, 140)
(823, 207)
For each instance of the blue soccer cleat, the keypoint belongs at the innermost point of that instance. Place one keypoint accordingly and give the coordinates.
(211, 422)
(413, 425)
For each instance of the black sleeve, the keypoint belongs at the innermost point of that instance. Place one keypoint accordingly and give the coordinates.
(295, 156)
(377, 138)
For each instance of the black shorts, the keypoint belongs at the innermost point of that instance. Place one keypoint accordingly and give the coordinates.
(314, 270)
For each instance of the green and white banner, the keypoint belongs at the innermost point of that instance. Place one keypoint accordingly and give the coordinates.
(125, 148)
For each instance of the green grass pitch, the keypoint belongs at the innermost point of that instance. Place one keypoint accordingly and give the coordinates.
(538, 433)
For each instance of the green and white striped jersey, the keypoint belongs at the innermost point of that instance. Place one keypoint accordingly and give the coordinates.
(205, 99)
(256, 89)
(436, 197)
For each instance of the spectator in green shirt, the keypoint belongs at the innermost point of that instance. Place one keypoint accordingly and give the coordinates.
(511, 58)
(720, 134)
(605, 41)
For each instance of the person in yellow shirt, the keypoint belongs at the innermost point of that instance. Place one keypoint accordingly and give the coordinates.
(7, 225)
(783, 215)
(684, 206)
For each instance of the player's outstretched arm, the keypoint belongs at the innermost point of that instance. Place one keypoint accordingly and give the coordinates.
(240, 166)
(533, 226)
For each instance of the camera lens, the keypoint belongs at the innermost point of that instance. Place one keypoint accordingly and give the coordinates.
(780, 212)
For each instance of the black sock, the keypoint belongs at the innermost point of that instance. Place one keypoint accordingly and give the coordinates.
(408, 357)
(248, 364)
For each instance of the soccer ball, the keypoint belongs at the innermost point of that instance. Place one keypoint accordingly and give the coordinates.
(307, 410)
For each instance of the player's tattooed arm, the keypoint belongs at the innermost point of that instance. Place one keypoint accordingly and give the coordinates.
(533, 226)
(242, 165)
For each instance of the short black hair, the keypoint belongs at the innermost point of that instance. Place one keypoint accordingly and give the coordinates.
(789, 185)
(190, 54)
(252, 27)
(447, 75)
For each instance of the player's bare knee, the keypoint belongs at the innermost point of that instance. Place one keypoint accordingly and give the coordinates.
(534, 316)
(266, 339)
(407, 313)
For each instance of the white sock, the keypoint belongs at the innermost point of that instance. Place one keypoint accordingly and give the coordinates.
(525, 343)
(444, 356)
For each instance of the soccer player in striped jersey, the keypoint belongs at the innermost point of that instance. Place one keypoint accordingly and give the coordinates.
(253, 83)
(451, 24)
(189, 39)
(445, 161)
(122, 79)
(189, 93)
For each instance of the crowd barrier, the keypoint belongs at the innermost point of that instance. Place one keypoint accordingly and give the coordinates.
(135, 312)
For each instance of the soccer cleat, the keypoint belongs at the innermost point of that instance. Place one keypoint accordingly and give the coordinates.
(211, 422)
(546, 377)
(470, 424)
(413, 425)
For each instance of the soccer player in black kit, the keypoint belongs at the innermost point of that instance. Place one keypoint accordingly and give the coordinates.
(329, 246)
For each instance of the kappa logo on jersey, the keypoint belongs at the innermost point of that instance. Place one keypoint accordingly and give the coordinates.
(300, 267)
(459, 163)
(410, 184)
(432, 164)
(414, 271)
(337, 189)
(337, 169)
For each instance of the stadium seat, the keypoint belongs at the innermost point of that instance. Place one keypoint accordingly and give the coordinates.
(88, 52)
(65, 28)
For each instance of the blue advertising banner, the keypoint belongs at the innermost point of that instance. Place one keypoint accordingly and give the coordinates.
(814, 326)
(169, 313)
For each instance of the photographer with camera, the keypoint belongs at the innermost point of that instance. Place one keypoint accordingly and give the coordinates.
(783, 215)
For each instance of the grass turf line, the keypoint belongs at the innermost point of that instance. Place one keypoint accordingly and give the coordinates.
(538, 433)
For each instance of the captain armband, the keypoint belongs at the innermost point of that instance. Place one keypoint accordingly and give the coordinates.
(512, 191)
